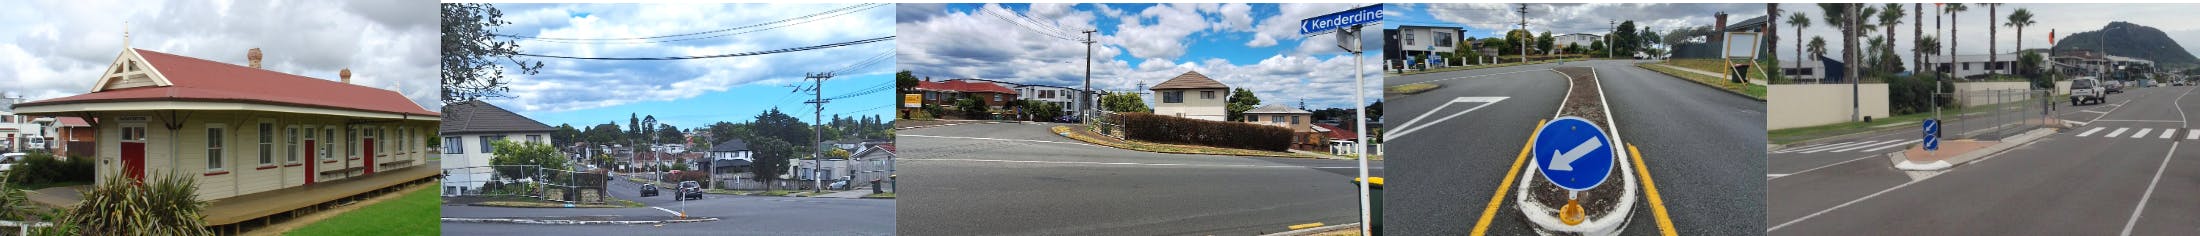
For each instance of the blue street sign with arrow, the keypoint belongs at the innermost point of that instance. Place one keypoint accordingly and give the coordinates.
(1932, 137)
(1573, 153)
(1332, 21)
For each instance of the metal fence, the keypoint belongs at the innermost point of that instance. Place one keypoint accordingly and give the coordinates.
(1998, 113)
(556, 185)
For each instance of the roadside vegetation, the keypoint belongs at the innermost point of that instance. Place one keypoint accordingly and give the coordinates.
(41, 170)
(1751, 90)
(413, 213)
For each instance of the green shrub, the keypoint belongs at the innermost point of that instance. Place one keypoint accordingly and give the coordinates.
(1178, 130)
(42, 168)
(164, 205)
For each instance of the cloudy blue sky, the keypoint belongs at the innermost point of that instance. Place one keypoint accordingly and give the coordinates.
(1491, 19)
(691, 93)
(53, 48)
(1254, 46)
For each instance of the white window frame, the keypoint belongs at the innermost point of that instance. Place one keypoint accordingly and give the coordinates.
(266, 137)
(328, 144)
(454, 145)
(291, 148)
(215, 135)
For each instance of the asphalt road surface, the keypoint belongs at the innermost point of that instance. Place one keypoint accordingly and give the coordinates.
(738, 215)
(1703, 146)
(1022, 179)
(2086, 180)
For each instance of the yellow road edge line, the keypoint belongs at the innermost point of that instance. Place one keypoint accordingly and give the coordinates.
(1650, 188)
(1498, 200)
(1306, 225)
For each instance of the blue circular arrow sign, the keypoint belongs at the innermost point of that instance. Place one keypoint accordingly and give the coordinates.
(1573, 153)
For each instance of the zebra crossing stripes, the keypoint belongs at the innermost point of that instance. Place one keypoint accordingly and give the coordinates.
(2118, 131)
(1851, 146)
(2194, 134)
(2167, 133)
(2091, 131)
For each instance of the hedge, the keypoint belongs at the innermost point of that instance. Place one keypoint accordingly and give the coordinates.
(1178, 130)
(43, 168)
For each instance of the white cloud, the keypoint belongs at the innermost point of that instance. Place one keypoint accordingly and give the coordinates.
(55, 48)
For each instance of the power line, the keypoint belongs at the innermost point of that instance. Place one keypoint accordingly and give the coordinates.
(1049, 32)
(743, 54)
(842, 9)
(866, 62)
(865, 91)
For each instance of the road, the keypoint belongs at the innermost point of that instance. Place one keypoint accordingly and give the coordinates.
(1704, 147)
(2127, 171)
(1022, 179)
(739, 215)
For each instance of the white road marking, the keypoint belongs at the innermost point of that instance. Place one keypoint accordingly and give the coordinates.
(2191, 135)
(2090, 132)
(674, 213)
(2142, 133)
(1822, 147)
(991, 139)
(1896, 145)
(1866, 145)
(1793, 149)
(2167, 132)
(1844, 204)
(1145, 164)
(1775, 176)
(2157, 121)
(1844, 145)
(1409, 126)
(2150, 189)
(2113, 134)
(1822, 167)
(2093, 111)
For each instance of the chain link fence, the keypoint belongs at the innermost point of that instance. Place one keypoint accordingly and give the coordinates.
(525, 181)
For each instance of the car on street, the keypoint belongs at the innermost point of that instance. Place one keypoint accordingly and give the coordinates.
(838, 184)
(2112, 88)
(7, 161)
(649, 190)
(2088, 90)
(689, 190)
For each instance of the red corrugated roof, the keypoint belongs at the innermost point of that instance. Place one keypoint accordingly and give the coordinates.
(73, 122)
(964, 86)
(1338, 133)
(204, 80)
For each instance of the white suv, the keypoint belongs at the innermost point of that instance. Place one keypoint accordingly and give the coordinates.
(2084, 90)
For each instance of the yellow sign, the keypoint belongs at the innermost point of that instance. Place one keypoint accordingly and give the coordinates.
(912, 100)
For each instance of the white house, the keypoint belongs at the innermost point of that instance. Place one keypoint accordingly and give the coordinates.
(468, 128)
(1064, 97)
(1976, 64)
(1425, 42)
(1585, 40)
(1191, 95)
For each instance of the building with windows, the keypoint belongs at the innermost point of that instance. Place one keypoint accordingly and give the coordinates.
(945, 93)
(1064, 97)
(468, 128)
(1585, 40)
(1191, 95)
(1966, 66)
(1301, 123)
(258, 142)
(1421, 44)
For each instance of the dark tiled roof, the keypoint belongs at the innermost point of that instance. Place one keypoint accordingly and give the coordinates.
(731, 145)
(481, 117)
(1190, 80)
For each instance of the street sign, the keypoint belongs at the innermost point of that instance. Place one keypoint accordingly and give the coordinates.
(1741, 45)
(912, 100)
(1326, 23)
(1574, 153)
(1932, 135)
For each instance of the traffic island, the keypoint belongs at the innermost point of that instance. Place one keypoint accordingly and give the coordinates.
(1604, 208)
(1953, 153)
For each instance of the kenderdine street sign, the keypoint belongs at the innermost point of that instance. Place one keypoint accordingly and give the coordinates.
(1326, 23)
(1574, 153)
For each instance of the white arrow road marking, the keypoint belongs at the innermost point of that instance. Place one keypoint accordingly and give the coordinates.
(1409, 126)
(1565, 159)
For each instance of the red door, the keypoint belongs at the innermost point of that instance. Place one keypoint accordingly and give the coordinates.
(369, 145)
(311, 159)
(133, 160)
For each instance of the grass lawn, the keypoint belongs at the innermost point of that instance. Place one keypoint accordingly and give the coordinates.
(1409, 89)
(1798, 134)
(880, 195)
(1747, 89)
(1714, 66)
(415, 213)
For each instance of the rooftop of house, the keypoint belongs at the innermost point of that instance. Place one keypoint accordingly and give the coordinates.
(182, 78)
(482, 117)
(1190, 80)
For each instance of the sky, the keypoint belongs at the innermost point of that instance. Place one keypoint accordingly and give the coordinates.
(51, 48)
(1485, 20)
(1254, 46)
(693, 93)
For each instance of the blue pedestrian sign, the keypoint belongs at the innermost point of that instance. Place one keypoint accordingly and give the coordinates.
(1932, 135)
(1573, 153)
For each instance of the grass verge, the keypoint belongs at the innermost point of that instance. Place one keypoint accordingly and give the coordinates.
(1094, 138)
(414, 213)
(1460, 68)
(1752, 90)
(880, 195)
(1799, 134)
(1408, 89)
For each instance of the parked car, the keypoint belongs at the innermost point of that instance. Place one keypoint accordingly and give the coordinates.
(2113, 87)
(7, 161)
(649, 190)
(2088, 90)
(838, 184)
(689, 190)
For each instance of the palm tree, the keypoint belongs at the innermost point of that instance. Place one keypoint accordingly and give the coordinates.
(2019, 19)
(1837, 15)
(1817, 46)
(1931, 47)
(1799, 21)
(1890, 15)
(1952, 9)
(1917, 30)
(1993, 35)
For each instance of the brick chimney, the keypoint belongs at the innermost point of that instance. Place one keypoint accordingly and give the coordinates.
(253, 55)
(346, 74)
(1721, 25)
